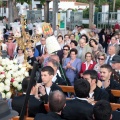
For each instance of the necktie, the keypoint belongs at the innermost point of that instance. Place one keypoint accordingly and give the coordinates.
(42, 50)
(108, 62)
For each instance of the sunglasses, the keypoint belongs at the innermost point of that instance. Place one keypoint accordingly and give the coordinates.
(9, 39)
(101, 59)
(65, 49)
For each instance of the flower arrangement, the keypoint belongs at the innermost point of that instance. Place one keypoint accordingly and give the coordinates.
(11, 76)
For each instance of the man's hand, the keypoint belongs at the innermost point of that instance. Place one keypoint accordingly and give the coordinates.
(42, 89)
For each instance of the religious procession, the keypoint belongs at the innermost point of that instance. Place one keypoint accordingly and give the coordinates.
(59, 68)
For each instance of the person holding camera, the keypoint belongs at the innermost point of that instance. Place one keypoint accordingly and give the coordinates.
(47, 85)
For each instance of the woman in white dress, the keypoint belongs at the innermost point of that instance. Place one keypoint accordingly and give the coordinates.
(20, 55)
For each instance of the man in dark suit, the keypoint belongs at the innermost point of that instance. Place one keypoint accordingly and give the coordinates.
(47, 85)
(56, 104)
(103, 111)
(116, 66)
(108, 83)
(34, 105)
(96, 93)
(40, 48)
(56, 79)
(79, 108)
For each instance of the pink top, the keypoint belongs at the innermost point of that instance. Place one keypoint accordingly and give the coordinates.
(10, 48)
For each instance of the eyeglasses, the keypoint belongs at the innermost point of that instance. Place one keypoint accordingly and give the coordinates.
(9, 39)
(65, 49)
(101, 59)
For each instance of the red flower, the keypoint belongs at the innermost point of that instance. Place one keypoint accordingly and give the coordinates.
(12, 80)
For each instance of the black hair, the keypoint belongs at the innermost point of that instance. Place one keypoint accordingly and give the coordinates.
(102, 110)
(94, 41)
(48, 69)
(25, 83)
(66, 46)
(82, 88)
(73, 50)
(93, 74)
(60, 36)
(85, 37)
(75, 42)
(108, 67)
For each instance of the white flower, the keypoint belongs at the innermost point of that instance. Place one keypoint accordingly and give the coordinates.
(1, 89)
(26, 74)
(2, 76)
(1, 69)
(7, 88)
(19, 87)
(3, 95)
(11, 62)
(7, 82)
(8, 95)
(18, 79)
(11, 72)
(2, 85)
(15, 61)
(21, 78)
(8, 75)
(20, 66)
(15, 83)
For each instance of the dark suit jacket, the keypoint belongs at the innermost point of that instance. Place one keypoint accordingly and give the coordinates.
(38, 47)
(115, 115)
(77, 110)
(34, 105)
(114, 85)
(60, 81)
(100, 94)
(54, 87)
(49, 116)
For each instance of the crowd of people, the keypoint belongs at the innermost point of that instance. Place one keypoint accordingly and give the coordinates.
(89, 61)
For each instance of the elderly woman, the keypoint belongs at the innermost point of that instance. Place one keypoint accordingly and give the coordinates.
(96, 48)
(72, 66)
(100, 61)
(88, 64)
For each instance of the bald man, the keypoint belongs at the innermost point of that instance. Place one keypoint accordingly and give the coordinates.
(57, 102)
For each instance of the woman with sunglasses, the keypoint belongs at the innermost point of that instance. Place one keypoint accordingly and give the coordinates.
(96, 48)
(20, 55)
(100, 61)
(66, 50)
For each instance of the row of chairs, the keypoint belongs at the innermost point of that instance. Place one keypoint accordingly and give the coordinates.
(114, 106)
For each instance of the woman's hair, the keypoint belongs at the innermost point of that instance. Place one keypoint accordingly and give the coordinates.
(94, 42)
(85, 37)
(66, 46)
(90, 54)
(73, 50)
(20, 49)
(102, 54)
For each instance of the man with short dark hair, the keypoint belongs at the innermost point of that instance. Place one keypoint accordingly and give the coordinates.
(34, 105)
(47, 85)
(96, 93)
(102, 110)
(107, 82)
(56, 104)
(79, 108)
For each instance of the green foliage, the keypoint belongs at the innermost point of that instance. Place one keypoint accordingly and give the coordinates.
(99, 3)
